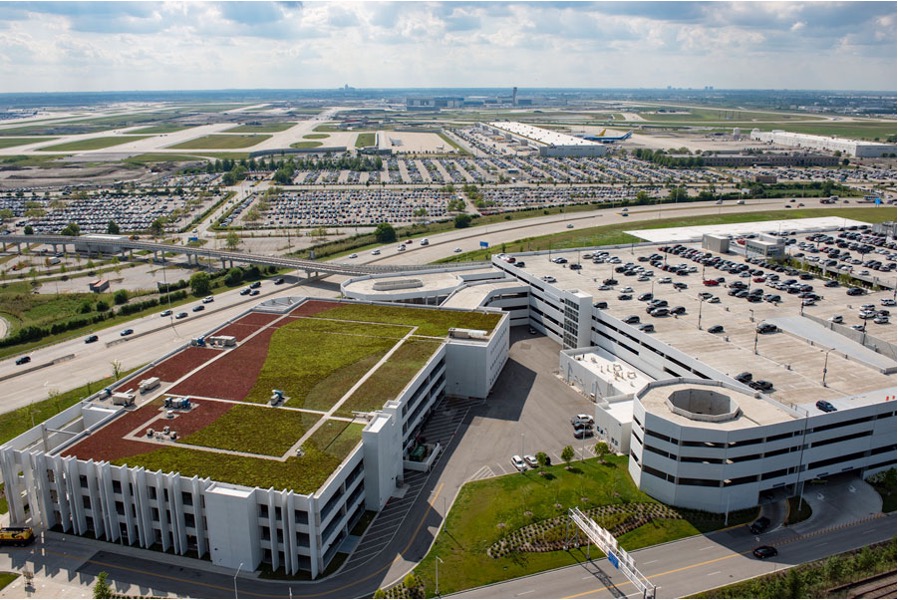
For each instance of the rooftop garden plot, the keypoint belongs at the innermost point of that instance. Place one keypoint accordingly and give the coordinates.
(391, 377)
(430, 322)
(324, 451)
(254, 429)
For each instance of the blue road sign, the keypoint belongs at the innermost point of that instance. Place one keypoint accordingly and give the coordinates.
(614, 560)
(484, 244)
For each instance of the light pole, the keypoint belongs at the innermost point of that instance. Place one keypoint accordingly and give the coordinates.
(756, 341)
(436, 565)
(825, 363)
(701, 301)
(240, 566)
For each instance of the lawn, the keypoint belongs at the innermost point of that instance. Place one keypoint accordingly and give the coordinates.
(435, 323)
(266, 128)
(94, 143)
(363, 140)
(221, 142)
(316, 136)
(254, 429)
(159, 129)
(530, 508)
(159, 157)
(12, 142)
(388, 381)
(316, 362)
(323, 453)
(7, 578)
(306, 144)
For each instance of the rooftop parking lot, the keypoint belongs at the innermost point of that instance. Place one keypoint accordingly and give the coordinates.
(712, 306)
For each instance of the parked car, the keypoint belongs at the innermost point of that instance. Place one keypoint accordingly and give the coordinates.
(743, 377)
(764, 552)
(531, 461)
(582, 419)
(518, 463)
(625, 297)
(584, 432)
(715, 329)
(826, 406)
(631, 320)
(601, 304)
(759, 526)
(678, 310)
(836, 319)
(762, 385)
(767, 328)
(646, 328)
(661, 311)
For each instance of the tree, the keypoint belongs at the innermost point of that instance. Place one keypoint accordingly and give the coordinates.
(29, 230)
(567, 455)
(120, 297)
(102, 589)
(112, 228)
(200, 284)
(385, 233)
(235, 276)
(601, 449)
(116, 369)
(462, 221)
(232, 240)
(102, 306)
(543, 459)
(6, 214)
(157, 228)
(71, 229)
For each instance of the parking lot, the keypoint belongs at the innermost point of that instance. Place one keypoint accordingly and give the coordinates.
(717, 322)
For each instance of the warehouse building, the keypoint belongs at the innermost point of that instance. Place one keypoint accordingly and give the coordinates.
(857, 148)
(544, 141)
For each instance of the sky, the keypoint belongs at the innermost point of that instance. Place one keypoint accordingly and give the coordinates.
(113, 46)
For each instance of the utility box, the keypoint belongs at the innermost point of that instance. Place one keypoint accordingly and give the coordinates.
(149, 384)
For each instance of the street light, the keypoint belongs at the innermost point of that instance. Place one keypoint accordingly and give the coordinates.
(825, 363)
(701, 301)
(756, 341)
(436, 565)
(240, 566)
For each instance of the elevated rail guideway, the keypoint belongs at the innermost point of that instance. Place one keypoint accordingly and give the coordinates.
(125, 247)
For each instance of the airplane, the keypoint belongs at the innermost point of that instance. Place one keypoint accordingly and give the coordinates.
(607, 139)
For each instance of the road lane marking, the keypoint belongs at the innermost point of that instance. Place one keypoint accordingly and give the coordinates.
(714, 573)
(527, 592)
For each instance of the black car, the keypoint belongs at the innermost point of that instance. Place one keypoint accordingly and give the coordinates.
(716, 329)
(645, 297)
(279, 281)
(199, 308)
(764, 552)
(601, 304)
(855, 291)
(255, 284)
(767, 328)
(678, 310)
(22, 360)
(743, 377)
(646, 328)
(91, 339)
(575, 266)
(625, 297)
(631, 320)
(762, 385)
(609, 281)
(679, 285)
(826, 406)
(759, 526)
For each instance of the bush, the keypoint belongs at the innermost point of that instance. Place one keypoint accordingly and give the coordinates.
(102, 306)
(120, 297)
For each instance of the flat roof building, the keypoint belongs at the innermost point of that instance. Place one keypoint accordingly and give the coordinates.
(858, 148)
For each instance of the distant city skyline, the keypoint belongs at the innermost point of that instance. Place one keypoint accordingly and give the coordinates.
(108, 46)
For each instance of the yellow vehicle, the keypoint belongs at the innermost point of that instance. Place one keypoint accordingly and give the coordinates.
(16, 536)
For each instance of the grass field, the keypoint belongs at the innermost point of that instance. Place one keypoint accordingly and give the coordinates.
(363, 140)
(429, 322)
(13, 142)
(522, 502)
(94, 143)
(254, 429)
(322, 453)
(316, 136)
(306, 144)
(160, 157)
(31, 160)
(724, 115)
(315, 362)
(221, 142)
(7, 578)
(388, 381)
(266, 128)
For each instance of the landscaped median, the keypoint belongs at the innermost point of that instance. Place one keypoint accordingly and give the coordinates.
(516, 525)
